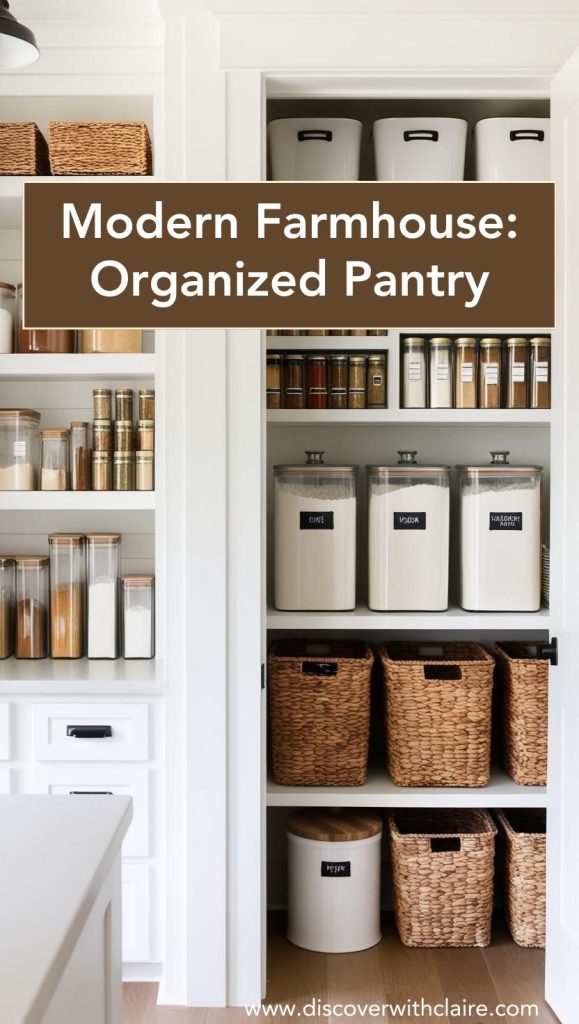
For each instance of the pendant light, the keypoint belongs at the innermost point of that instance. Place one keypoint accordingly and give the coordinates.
(17, 43)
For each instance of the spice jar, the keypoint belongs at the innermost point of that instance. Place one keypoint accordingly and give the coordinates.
(145, 471)
(138, 609)
(317, 383)
(7, 317)
(31, 606)
(7, 605)
(540, 373)
(102, 471)
(440, 373)
(55, 461)
(377, 332)
(146, 435)
(125, 340)
(465, 373)
(273, 381)
(517, 396)
(102, 399)
(19, 449)
(102, 570)
(338, 381)
(123, 471)
(102, 435)
(293, 380)
(46, 341)
(147, 404)
(489, 378)
(124, 404)
(357, 382)
(315, 332)
(376, 384)
(123, 435)
(66, 595)
(79, 456)
(414, 373)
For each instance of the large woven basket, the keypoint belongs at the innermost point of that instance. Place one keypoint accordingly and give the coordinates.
(525, 685)
(99, 147)
(319, 709)
(23, 149)
(525, 874)
(442, 870)
(438, 713)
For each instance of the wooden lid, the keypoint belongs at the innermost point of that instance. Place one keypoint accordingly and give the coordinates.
(333, 825)
(58, 433)
(66, 539)
(102, 538)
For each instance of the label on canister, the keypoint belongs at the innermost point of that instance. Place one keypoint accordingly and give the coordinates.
(336, 869)
(316, 520)
(505, 520)
(410, 520)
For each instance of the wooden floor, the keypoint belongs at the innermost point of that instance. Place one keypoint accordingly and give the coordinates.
(503, 973)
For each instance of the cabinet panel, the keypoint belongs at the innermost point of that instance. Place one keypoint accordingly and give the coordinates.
(136, 913)
(91, 732)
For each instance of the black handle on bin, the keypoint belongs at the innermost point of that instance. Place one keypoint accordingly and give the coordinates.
(90, 792)
(549, 651)
(421, 135)
(315, 135)
(319, 668)
(528, 135)
(442, 672)
(89, 732)
(445, 844)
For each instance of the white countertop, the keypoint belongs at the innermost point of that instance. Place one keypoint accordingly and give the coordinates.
(55, 854)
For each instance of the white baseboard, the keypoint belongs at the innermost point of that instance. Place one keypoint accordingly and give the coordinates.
(142, 972)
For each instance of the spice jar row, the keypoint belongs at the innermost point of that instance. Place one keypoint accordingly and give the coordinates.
(330, 380)
(74, 602)
(471, 373)
(325, 332)
(123, 455)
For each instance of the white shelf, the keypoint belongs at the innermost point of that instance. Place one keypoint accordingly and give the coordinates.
(380, 791)
(454, 618)
(323, 343)
(82, 677)
(38, 366)
(76, 501)
(409, 417)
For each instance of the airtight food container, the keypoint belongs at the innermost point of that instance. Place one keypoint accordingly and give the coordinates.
(500, 536)
(315, 536)
(512, 149)
(420, 148)
(408, 531)
(19, 449)
(315, 149)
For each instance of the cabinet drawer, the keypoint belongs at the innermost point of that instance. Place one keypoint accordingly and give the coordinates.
(136, 913)
(63, 780)
(91, 732)
(5, 716)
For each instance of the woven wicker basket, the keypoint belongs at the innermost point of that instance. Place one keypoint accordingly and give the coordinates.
(23, 149)
(319, 707)
(438, 713)
(525, 684)
(525, 874)
(442, 868)
(99, 147)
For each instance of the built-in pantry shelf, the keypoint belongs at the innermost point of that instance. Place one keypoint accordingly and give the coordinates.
(409, 417)
(37, 366)
(82, 677)
(77, 501)
(380, 791)
(453, 618)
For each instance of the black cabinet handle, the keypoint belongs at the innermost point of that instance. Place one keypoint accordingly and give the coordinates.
(528, 135)
(89, 732)
(315, 135)
(90, 792)
(421, 135)
(549, 651)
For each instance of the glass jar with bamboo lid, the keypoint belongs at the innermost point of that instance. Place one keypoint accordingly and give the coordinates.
(102, 436)
(123, 435)
(294, 380)
(517, 368)
(273, 380)
(124, 404)
(32, 601)
(540, 373)
(7, 606)
(465, 373)
(102, 399)
(103, 340)
(376, 383)
(80, 473)
(102, 471)
(67, 578)
(54, 475)
(490, 376)
(357, 381)
(338, 363)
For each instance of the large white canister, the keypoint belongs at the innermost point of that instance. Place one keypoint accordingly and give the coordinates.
(512, 149)
(315, 149)
(334, 880)
(420, 148)
(315, 536)
(500, 542)
(408, 536)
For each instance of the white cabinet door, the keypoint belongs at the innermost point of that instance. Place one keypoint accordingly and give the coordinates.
(563, 820)
(91, 732)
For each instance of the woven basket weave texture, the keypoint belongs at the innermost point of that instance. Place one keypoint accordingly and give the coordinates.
(525, 874)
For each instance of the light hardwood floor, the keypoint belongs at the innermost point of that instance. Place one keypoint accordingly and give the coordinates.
(390, 972)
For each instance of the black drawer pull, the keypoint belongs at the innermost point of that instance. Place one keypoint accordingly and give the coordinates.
(421, 135)
(315, 135)
(90, 792)
(89, 732)
(528, 135)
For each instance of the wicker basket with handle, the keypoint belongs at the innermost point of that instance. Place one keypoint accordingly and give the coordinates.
(525, 685)
(319, 708)
(438, 713)
(23, 149)
(442, 870)
(525, 874)
(99, 147)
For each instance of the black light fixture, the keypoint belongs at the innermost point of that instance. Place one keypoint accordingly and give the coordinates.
(17, 43)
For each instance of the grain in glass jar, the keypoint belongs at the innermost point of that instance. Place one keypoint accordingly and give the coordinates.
(146, 404)
(489, 378)
(7, 317)
(102, 594)
(54, 475)
(101, 340)
(440, 373)
(123, 435)
(124, 404)
(123, 471)
(102, 435)
(293, 380)
(317, 382)
(19, 449)
(138, 607)
(67, 597)
(338, 381)
(146, 436)
(7, 606)
(414, 373)
(145, 471)
(46, 341)
(357, 382)
(517, 392)
(273, 380)
(102, 401)
(102, 471)
(465, 373)
(540, 373)
(32, 589)
(79, 456)
(376, 385)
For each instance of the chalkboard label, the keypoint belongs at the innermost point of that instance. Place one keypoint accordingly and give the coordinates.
(410, 520)
(316, 520)
(505, 520)
(336, 869)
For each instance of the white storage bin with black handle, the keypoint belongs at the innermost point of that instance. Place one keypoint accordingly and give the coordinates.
(420, 148)
(315, 149)
(512, 149)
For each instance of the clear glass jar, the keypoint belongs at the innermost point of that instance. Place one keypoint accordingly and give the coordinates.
(7, 606)
(465, 373)
(19, 449)
(124, 404)
(101, 340)
(273, 381)
(102, 436)
(376, 385)
(357, 376)
(147, 404)
(46, 341)
(7, 317)
(414, 373)
(80, 471)
(540, 373)
(102, 400)
(490, 376)
(32, 606)
(338, 381)
(517, 396)
(146, 436)
(123, 435)
(123, 471)
(67, 578)
(440, 373)
(145, 471)
(103, 559)
(293, 380)
(138, 606)
(317, 382)
(102, 471)
(54, 475)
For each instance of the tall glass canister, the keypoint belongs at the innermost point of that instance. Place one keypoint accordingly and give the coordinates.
(138, 606)
(440, 373)
(7, 604)
(413, 373)
(67, 577)
(31, 606)
(103, 567)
